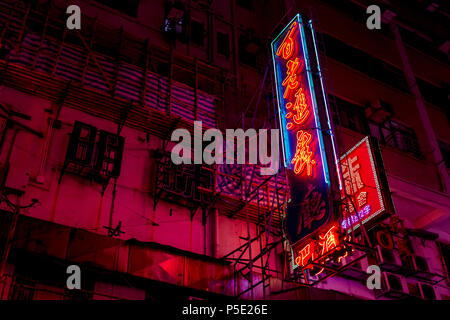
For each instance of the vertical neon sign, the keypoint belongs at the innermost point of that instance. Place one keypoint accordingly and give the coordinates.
(303, 145)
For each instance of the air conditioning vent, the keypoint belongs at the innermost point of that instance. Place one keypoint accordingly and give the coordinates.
(414, 290)
(356, 271)
(418, 268)
(393, 286)
(421, 264)
(421, 291)
(428, 292)
(389, 259)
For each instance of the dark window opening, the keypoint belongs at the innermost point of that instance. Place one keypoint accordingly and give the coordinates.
(394, 134)
(435, 95)
(175, 21)
(104, 155)
(248, 51)
(110, 152)
(197, 32)
(129, 7)
(358, 13)
(420, 43)
(223, 44)
(364, 63)
(350, 116)
(247, 4)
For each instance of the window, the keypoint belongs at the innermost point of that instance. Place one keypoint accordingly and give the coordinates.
(420, 43)
(223, 44)
(103, 154)
(351, 116)
(110, 152)
(364, 63)
(129, 7)
(248, 50)
(358, 13)
(247, 4)
(432, 94)
(197, 33)
(394, 134)
(174, 22)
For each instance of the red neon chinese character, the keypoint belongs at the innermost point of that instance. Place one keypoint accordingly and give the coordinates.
(351, 175)
(328, 241)
(305, 255)
(291, 82)
(300, 109)
(303, 156)
(287, 47)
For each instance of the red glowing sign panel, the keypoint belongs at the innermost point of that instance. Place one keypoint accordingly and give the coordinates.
(318, 251)
(361, 181)
(303, 147)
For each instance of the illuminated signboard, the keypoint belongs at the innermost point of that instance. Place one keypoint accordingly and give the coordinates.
(303, 142)
(320, 250)
(365, 185)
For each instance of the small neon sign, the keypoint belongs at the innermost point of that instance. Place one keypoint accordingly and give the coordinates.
(363, 198)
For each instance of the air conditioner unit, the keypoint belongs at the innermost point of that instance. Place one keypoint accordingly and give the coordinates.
(418, 268)
(427, 291)
(421, 291)
(356, 271)
(392, 286)
(389, 260)
(414, 290)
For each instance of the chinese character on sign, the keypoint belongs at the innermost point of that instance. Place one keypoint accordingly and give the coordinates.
(362, 199)
(294, 67)
(315, 250)
(299, 112)
(351, 175)
(303, 156)
(328, 241)
(305, 255)
(312, 208)
(287, 47)
(363, 196)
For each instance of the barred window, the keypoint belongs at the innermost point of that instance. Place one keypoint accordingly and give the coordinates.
(394, 134)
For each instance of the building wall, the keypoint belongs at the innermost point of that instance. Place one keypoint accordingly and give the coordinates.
(79, 203)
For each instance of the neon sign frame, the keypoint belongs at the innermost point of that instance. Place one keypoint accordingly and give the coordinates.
(303, 148)
(287, 153)
(352, 221)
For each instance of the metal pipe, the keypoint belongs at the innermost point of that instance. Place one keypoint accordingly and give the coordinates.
(421, 108)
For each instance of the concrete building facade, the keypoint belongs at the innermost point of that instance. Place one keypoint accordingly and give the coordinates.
(86, 118)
